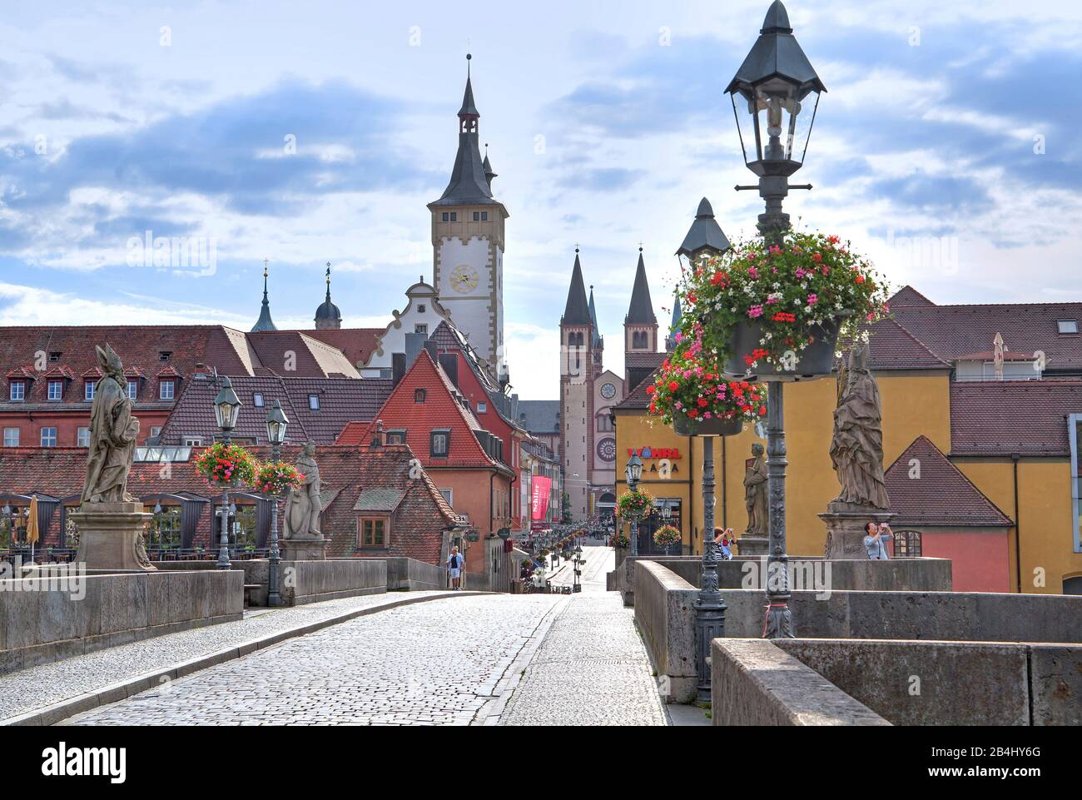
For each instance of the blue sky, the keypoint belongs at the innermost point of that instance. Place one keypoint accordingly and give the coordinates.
(946, 149)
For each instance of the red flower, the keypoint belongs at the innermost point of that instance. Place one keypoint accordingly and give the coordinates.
(650, 389)
(817, 257)
(693, 412)
(860, 279)
(673, 386)
(762, 411)
(702, 402)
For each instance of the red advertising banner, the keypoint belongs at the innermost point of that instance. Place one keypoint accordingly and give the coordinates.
(540, 489)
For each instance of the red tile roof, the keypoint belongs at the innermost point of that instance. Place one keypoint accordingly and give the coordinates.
(908, 296)
(1005, 417)
(892, 347)
(941, 496)
(441, 409)
(296, 354)
(356, 343)
(644, 360)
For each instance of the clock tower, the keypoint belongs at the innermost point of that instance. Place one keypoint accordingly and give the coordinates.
(468, 243)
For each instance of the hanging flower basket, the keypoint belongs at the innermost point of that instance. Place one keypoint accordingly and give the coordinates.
(691, 393)
(226, 465)
(619, 540)
(666, 536)
(275, 477)
(634, 505)
(776, 311)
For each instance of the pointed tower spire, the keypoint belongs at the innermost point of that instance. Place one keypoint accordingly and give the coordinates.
(469, 184)
(641, 310)
(674, 326)
(577, 309)
(264, 323)
(487, 165)
(705, 236)
(328, 317)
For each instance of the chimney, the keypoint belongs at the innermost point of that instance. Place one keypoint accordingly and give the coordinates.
(398, 367)
(377, 438)
(415, 342)
(430, 346)
(449, 362)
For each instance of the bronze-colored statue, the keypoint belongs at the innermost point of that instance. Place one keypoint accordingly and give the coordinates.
(857, 447)
(755, 487)
(113, 431)
(303, 504)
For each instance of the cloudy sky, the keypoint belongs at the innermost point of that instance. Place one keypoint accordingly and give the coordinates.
(947, 148)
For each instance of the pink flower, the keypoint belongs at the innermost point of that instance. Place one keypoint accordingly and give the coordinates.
(813, 299)
(771, 300)
(773, 249)
(755, 311)
(800, 272)
(679, 337)
(753, 272)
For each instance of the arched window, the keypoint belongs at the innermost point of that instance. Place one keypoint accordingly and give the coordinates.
(604, 421)
(907, 544)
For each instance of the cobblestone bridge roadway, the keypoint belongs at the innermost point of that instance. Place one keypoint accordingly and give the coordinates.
(469, 660)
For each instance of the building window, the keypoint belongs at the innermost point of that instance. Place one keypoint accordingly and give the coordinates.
(257, 400)
(373, 532)
(193, 441)
(454, 216)
(88, 391)
(313, 402)
(1067, 325)
(56, 390)
(48, 437)
(441, 442)
(165, 355)
(133, 389)
(11, 437)
(17, 391)
(421, 327)
(155, 432)
(167, 390)
(449, 496)
(482, 407)
(446, 216)
(421, 308)
(484, 216)
(54, 356)
(907, 544)
(397, 436)
(604, 422)
(418, 395)
(82, 437)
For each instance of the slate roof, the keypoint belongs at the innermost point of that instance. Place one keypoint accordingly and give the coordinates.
(637, 399)
(704, 234)
(1004, 417)
(340, 401)
(539, 416)
(892, 347)
(577, 308)
(641, 309)
(941, 497)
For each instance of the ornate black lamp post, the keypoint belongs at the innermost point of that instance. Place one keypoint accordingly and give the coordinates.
(775, 83)
(226, 411)
(276, 435)
(633, 473)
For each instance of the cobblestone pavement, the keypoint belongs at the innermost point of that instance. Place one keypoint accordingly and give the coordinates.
(30, 689)
(539, 659)
(435, 663)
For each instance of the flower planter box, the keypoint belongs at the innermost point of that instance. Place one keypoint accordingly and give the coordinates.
(816, 360)
(706, 427)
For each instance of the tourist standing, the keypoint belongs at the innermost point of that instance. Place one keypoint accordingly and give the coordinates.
(454, 567)
(875, 542)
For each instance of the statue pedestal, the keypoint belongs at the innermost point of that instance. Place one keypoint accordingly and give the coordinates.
(307, 548)
(753, 545)
(845, 529)
(111, 536)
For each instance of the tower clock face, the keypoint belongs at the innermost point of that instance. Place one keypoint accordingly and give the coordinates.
(606, 450)
(463, 279)
(608, 391)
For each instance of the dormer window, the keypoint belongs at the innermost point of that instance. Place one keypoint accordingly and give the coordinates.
(133, 388)
(165, 355)
(1067, 326)
(17, 391)
(441, 440)
(54, 356)
(56, 391)
(167, 389)
(419, 395)
(88, 391)
(396, 436)
(313, 402)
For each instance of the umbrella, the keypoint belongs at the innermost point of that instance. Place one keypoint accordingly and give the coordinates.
(32, 525)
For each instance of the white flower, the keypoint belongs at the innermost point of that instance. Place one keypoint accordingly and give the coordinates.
(767, 336)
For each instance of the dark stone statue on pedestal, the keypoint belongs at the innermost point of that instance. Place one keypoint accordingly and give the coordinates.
(756, 535)
(856, 452)
(110, 521)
